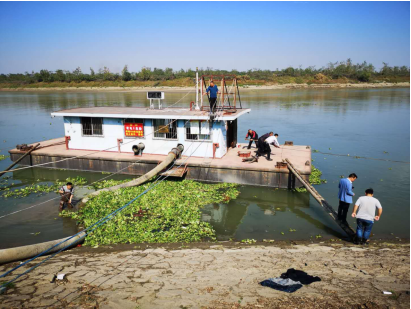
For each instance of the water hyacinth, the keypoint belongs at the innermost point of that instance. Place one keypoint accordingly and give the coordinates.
(170, 212)
(42, 188)
(315, 177)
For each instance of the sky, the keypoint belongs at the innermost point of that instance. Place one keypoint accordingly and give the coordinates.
(220, 35)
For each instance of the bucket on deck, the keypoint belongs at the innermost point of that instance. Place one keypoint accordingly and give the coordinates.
(244, 154)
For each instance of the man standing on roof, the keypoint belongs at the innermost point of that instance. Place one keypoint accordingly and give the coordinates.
(264, 144)
(213, 90)
(253, 137)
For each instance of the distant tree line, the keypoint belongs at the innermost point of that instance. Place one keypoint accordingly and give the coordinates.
(363, 72)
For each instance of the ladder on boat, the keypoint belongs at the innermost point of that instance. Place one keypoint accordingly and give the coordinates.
(327, 207)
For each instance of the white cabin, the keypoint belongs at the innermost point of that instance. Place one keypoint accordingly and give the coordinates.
(117, 129)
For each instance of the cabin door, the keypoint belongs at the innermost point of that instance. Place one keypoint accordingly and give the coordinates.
(232, 133)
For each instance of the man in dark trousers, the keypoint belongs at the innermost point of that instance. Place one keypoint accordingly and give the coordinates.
(253, 136)
(213, 90)
(345, 195)
(264, 144)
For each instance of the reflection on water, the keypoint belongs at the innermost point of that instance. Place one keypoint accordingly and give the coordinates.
(359, 122)
(262, 213)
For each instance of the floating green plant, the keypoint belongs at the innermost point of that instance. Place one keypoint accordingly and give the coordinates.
(315, 177)
(248, 241)
(170, 212)
(42, 188)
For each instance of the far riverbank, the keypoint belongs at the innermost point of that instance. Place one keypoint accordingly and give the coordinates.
(81, 87)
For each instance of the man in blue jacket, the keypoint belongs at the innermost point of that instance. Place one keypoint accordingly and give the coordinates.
(345, 195)
(213, 90)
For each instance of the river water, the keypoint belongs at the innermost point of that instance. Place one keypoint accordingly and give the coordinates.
(372, 123)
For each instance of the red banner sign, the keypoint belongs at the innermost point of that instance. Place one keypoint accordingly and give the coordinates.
(134, 129)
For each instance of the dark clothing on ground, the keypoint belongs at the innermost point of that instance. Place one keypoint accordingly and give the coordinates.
(283, 285)
(364, 229)
(299, 275)
(213, 102)
(254, 137)
(290, 281)
(342, 211)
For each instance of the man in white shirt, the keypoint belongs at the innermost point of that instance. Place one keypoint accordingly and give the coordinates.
(273, 140)
(366, 206)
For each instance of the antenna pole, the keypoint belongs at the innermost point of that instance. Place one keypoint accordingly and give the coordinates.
(202, 80)
(197, 88)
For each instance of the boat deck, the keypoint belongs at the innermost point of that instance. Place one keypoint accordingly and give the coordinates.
(230, 168)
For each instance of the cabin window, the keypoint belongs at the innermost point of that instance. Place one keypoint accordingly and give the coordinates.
(165, 128)
(92, 126)
(198, 130)
(133, 128)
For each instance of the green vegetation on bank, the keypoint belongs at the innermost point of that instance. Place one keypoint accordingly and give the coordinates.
(333, 72)
(170, 212)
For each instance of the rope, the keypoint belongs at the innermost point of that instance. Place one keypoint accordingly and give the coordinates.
(358, 157)
(96, 224)
(82, 156)
(57, 197)
(353, 157)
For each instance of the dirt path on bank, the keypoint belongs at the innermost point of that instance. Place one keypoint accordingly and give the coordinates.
(185, 89)
(217, 277)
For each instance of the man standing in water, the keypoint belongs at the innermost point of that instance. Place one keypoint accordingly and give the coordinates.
(366, 206)
(345, 195)
(66, 193)
(213, 90)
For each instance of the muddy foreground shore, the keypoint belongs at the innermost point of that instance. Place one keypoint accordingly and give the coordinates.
(216, 276)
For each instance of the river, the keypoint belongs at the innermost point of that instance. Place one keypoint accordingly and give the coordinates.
(373, 123)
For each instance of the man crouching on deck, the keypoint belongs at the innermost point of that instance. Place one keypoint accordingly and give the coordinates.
(66, 193)
(264, 144)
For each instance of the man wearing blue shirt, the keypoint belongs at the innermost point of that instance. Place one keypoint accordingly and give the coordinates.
(345, 195)
(213, 90)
